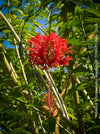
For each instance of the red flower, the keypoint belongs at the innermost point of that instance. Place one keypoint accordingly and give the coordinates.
(49, 51)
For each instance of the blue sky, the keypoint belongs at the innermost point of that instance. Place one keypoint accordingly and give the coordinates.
(2, 2)
(4, 11)
(6, 43)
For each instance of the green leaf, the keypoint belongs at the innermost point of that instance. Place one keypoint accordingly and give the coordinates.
(12, 124)
(92, 20)
(54, 17)
(44, 14)
(62, 29)
(93, 127)
(19, 131)
(73, 117)
(78, 9)
(81, 86)
(72, 41)
(19, 10)
(93, 11)
(20, 99)
(18, 114)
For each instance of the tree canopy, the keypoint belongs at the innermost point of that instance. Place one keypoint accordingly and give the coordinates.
(61, 100)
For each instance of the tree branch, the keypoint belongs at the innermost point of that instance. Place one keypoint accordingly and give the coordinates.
(84, 91)
(6, 67)
(85, 37)
(9, 25)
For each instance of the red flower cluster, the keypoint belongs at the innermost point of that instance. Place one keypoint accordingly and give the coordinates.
(48, 51)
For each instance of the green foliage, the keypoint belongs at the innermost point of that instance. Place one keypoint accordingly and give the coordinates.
(73, 20)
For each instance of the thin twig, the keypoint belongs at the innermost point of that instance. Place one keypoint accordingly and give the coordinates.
(22, 66)
(6, 67)
(17, 51)
(18, 39)
(96, 72)
(78, 110)
(85, 37)
(63, 128)
(84, 91)
(13, 69)
(41, 29)
(9, 25)
(23, 71)
(40, 120)
(65, 88)
(39, 74)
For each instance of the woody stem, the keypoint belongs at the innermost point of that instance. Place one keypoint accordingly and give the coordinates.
(49, 97)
